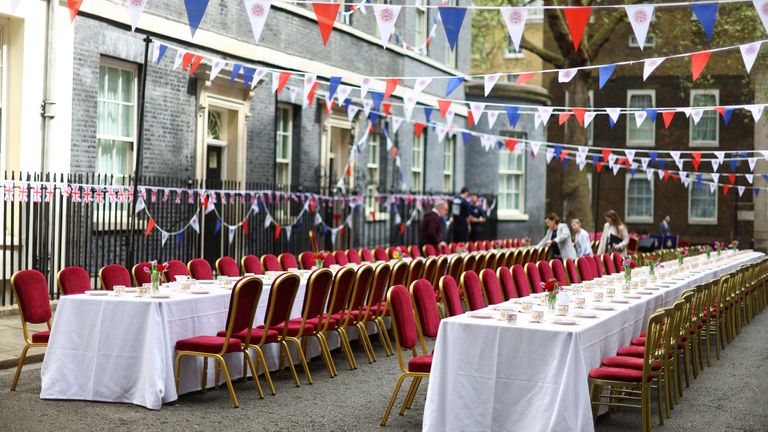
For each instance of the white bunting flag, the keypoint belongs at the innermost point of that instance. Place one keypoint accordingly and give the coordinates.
(257, 11)
(441, 131)
(309, 82)
(449, 116)
(649, 174)
(756, 110)
(581, 164)
(386, 15)
(640, 117)
(396, 122)
(318, 218)
(364, 87)
(231, 233)
(216, 66)
(489, 81)
(288, 231)
(630, 155)
(752, 162)
(164, 237)
(740, 189)
(712, 187)
(582, 153)
(750, 178)
(408, 103)
(588, 117)
(342, 93)
(275, 81)
(764, 153)
(715, 177)
(535, 147)
(720, 156)
(367, 106)
(179, 57)
(644, 162)
(156, 49)
(487, 141)
(420, 85)
(139, 205)
(684, 177)
(352, 112)
(762, 10)
(545, 113)
(566, 75)
(687, 112)
(715, 164)
(514, 18)
(550, 154)
(390, 144)
(398, 219)
(676, 156)
(650, 65)
(267, 221)
(696, 115)
(537, 120)
(477, 109)
(492, 117)
(749, 54)
(660, 174)
(293, 92)
(195, 224)
(334, 233)
(613, 113)
(612, 160)
(135, 9)
(616, 169)
(349, 219)
(258, 76)
(640, 17)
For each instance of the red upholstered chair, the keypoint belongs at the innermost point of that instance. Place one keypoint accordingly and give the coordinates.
(399, 275)
(454, 247)
(507, 282)
(73, 280)
(545, 271)
(521, 281)
(416, 270)
(610, 268)
(288, 261)
(597, 266)
(366, 255)
(442, 269)
(618, 261)
(380, 254)
(449, 292)
(141, 274)
(313, 313)
(114, 274)
(227, 266)
(341, 257)
(31, 291)
(356, 312)
(573, 271)
(455, 266)
(534, 277)
(430, 271)
(376, 304)
(174, 268)
(414, 251)
(329, 260)
(585, 268)
(236, 338)
(558, 270)
(430, 250)
(473, 291)
(406, 339)
(251, 264)
(200, 269)
(307, 260)
(353, 256)
(426, 311)
(443, 248)
(270, 263)
(491, 287)
(343, 284)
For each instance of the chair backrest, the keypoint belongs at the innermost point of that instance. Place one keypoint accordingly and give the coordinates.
(618, 261)
(380, 254)
(493, 258)
(114, 274)
(471, 246)
(341, 257)
(572, 270)
(31, 291)
(366, 255)
(270, 263)
(507, 282)
(449, 292)
(525, 257)
(430, 270)
(343, 283)
(316, 297)
(597, 266)
(610, 268)
(545, 271)
(399, 275)
(469, 262)
(443, 249)
(242, 307)
(585, 268)
(288, 261)
(491, 287)
(558, 269)
(353, 256)
(654, 340)
(455, 266)
(329, 260)
(441, 269)
(140, 273)
(174, 268)
(307, 260)
(281, 297)
(414, 251)
(200, 269)
(521, 281)
(403, 322)
(430, 250)
(416, 270)
(534, 277)
(360, 292)
(251, 264)
(480, 261)
(378, 289)
(425, 309)
(73, 280)
(473, 291)
(227, 266)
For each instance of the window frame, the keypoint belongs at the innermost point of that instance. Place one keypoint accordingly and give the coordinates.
(287, 162)
(133, 68)
(449, 143)
(650, 41)
(635, 218)
(421, 29)
(631, 119)
(512, 213)
(692, 220)
(371, 206)
(418, 169)
(692, 126)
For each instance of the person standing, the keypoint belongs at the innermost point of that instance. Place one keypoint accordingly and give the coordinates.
(477, 218)
(581, 242)
(432, 225)
(664, 229)
(615, 236)
(460, 215)
(558, 237)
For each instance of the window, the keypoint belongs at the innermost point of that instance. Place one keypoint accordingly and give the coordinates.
(513, 53)
(417, 164)
(706, 133)
(535, 15)
(116, 118)
(639, 196)
(702, 203)
(422, 23)
(590, 104)
(650, 41)
(511, 191)
(645, 135)
(373, 165)
(449, 152)
(283, 145)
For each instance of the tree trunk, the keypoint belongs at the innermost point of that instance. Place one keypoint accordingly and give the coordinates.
(577, 201)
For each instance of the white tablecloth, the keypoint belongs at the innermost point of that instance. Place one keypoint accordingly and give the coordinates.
(488, 375)
(122, 349)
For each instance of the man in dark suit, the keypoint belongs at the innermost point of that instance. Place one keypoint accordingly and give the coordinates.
(432, 225)
(664, 229)
(460, 215)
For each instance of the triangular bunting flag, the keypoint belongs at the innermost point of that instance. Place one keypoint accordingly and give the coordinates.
(443, 104)
(257, 11)
(605, 73)
(667, 116)
(524, 78)
(706, 14)
(421, 84)
(513, 115)
(390, 87)
(749, 54)
(135, 9)
(452, 18)
(195, 12)
(566, 75)
(696, 160)
(514, 18)
(640, 18)
(762, 10)
(492, 116)
(326, 17)
(576, 18)
(650, 65)
(588, 117)
(699, 62)
(74, 8)
(386, 15)
(489, 81)
(452, 84)
(150, 227)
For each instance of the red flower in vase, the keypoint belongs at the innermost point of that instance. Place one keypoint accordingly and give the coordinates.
(550, 285)
(320, 256)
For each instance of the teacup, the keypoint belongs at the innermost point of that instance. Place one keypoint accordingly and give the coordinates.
(610, 292)
(118, 290)
(510, 317)
(597, 296)
(182, 278)
(561, 310)
(537, 316)
(580, 302)
(526, 307)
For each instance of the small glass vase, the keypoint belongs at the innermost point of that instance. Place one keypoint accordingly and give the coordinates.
(155, 277)
(319, 263)
(551, 300)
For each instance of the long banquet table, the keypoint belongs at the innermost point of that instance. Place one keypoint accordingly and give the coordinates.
(488, 375)
(121, 349)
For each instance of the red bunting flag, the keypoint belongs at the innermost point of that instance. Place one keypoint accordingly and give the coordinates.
(577, 18)
(443, 105)
(74, 8)
(150, 227)
(391, 86)
(278, 228)
(394, 152)
(563, 117)
(721, 110)
(696, 160)
(284, 77)
(195, 63)
(524, 78)
(621, 161)
(348, 171)
(732, 178)
(311, 93)
(245, 226)
(563, 155)
(510, 144)
(386, 106)
(186, 59)
(606, 154)
(675, 177)
(666, 175)
(470, 119)
(419, 128)
(312, 206)
(726, 188)
(579, 114)
(326, 17)
(599, 167)
(402, 229)
(668, 116)
(698, 62)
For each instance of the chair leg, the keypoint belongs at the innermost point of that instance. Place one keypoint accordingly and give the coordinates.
(302, 359)
(204, 378)
(326, 353)
(18, 368)
(686, 360)
(412, 395)
(705, 330)
(177, 372)
(284, 347)
(363, 332)
(392, 399)
(384, 335)
(663, 413)
(645, 402)
(231, 389)
(347, 348)
(594, 397)
(254, 372)
(267, 376)
(217, 376)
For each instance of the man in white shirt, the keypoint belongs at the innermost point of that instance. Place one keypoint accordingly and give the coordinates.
(581, 242)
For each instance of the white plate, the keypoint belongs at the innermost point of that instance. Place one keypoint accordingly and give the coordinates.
(478, 314)
(646, 292)
(199, 291)
(565, 321)
(131, 290)
(619, 300)
(602, 307)
(631, 296)
(97, 292)
(160, 296)
(585, 315)
(206, 282)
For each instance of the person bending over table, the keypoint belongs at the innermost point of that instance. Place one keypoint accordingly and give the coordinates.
(558, 238)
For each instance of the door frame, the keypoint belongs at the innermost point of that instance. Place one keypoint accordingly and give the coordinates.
(240, 109)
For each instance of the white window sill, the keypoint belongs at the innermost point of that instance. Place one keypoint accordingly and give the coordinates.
(641, 143)
(635, 219)
(704, 144)
(702, 221)
(514, 56)
(512, 216)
